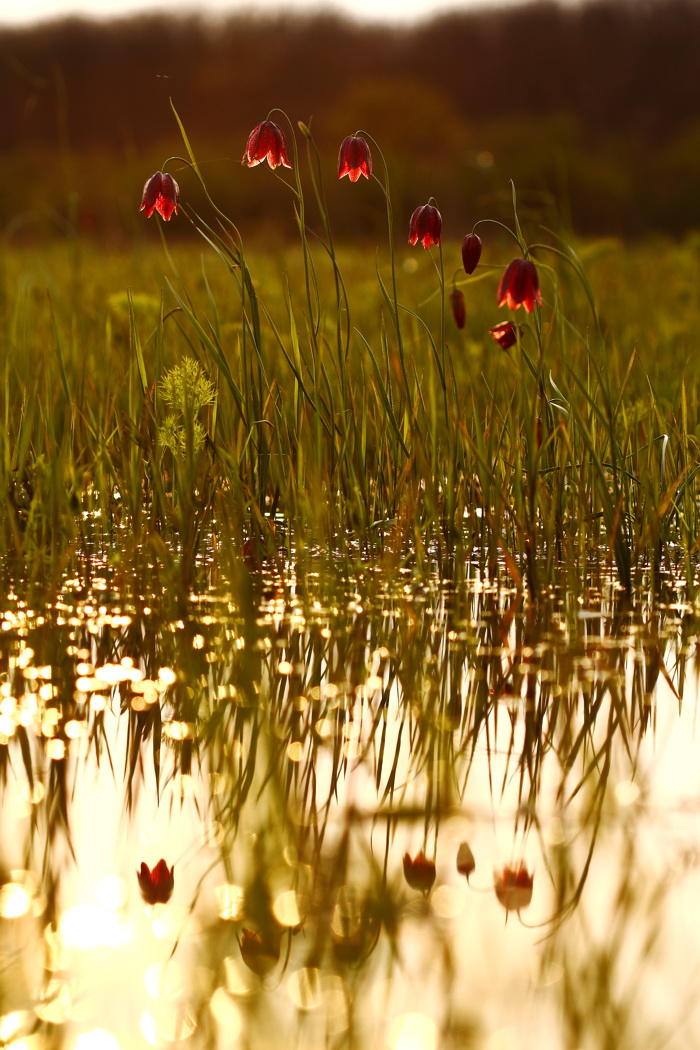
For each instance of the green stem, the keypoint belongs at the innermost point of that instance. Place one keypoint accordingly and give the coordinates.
(385, 188)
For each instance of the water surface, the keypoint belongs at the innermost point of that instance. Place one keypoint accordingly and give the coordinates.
(285, 739)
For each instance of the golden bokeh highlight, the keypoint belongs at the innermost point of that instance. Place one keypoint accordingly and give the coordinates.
(96, 1039)
(112, 892)
(15, 900)
(304, 988)
(168, 1025)
(413, 1032)
(226, 1013)
(230, 901)
(289, 908)
(10, 1024)
(627, 793)
(87, 926)
(165, 982)
(295, 751)
(56, 1007)
(336, 1003)
(447, 902)
(239, 979)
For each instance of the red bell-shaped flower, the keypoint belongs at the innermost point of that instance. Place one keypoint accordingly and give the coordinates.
(354, 158)
(266, 142)
(514, 887)
(419, 872)
(471, 252)
(426, 226)
(458, 308)
(520, 286)
(505, 334)
(161, 193)
(157, 885)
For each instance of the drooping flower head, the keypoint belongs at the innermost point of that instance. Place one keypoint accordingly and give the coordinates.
(520, 286)
(458, 308)
(465, 860)
(514, 887)
(505, 334)
(161, 193)
(419, 872)
(471, 252)
(354, 158)
(266, 142)
(348, 949)
(260, 954)
(157, 885)
(425, 226)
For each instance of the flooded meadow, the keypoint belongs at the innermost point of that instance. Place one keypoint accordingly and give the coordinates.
(398, 809)
(349, 637)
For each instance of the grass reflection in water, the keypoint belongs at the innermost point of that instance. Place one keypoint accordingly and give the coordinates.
(358, 780)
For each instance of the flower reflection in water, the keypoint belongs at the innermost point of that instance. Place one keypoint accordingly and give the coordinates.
(408, 699)
(466, 863)
(514, 887)
(260, 954)
(156, 885)
(419, 872)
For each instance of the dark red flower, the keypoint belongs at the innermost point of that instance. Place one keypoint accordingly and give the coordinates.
(419, 872)
(259, 954)
(520, 286)
(458, 309)
(161, 193)
(426, 226)
(266, 142)
(156, 886)
(354, 158)
(465, 860)
(348, 949)
(505, 334)
(471, 252)
(514, 887)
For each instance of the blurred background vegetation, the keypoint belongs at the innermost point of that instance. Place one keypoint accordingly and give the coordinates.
(593, 111)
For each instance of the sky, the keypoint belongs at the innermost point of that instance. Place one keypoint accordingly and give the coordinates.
(24, 12)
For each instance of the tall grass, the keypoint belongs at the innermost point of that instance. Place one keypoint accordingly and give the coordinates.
(348, 413)
(179, 412)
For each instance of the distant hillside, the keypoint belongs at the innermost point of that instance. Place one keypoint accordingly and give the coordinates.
(594, 111)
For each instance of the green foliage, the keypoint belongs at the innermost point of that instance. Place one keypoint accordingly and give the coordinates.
(348, 412)
(186, 390)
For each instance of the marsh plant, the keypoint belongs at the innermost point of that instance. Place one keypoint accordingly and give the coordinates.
(185, 390)
(339, 402)
(377, 603)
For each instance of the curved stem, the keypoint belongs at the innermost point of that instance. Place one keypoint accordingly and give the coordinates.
(497, 222)
(392, 258)
(340, 292)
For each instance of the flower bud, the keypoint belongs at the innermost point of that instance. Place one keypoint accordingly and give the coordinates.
(471, 252)
(458, 309)
(465, 860)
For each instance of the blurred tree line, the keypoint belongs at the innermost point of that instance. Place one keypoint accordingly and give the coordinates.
(593, 111)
